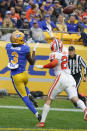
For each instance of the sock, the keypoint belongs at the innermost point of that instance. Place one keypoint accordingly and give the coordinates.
(46, 109)
(82, 98)
(81, 104)
(36, 114)
(27, 90)
(29, 104)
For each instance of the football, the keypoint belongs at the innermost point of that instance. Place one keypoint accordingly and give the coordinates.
(69, 9)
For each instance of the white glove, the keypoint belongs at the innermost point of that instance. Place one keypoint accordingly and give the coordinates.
(49, 30)
(39, 66)
(35, 47)
(50, 33)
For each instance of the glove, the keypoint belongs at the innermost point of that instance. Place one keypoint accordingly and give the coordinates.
(35, 47)
(50, 32)
(39, 66)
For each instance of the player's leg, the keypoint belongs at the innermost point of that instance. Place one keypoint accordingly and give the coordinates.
(78, 81)
(45, 112)
(31, 97)
(53, 92)
(46, 109)
(83, 98)
(27, 90)
(73, 96)
(20, 88)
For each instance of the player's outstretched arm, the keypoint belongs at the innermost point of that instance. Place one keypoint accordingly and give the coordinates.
(30, 59)
(52, 64)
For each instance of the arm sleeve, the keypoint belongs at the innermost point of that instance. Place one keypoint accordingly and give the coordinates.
(84, 65)
(27, 49)
(51, 64)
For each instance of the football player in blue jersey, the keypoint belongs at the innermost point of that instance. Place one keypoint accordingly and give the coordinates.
(19, 54)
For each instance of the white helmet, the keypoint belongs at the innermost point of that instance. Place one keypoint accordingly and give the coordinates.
(56, 45)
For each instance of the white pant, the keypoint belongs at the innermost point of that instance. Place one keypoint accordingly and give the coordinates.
(63, 82)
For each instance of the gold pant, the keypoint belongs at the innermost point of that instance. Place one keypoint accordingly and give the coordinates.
(20, 81)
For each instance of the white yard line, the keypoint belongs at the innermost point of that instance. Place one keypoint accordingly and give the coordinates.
(40, 108)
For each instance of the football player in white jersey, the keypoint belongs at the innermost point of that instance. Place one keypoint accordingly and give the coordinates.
(63, 82)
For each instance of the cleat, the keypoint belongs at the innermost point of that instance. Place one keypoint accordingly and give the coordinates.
(85, 114)
(32, 99)
(41, 124)
(39, 117)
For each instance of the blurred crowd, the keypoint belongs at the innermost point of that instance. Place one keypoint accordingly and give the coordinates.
(34, 17)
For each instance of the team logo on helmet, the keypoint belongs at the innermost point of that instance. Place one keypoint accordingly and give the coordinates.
(17, 37)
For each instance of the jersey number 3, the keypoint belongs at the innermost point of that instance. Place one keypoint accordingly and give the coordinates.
(64, 62)
(15, 58)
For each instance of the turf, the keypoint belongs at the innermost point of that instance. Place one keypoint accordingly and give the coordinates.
(17, 118)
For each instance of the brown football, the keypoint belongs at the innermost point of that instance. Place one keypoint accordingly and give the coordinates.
(69, 9)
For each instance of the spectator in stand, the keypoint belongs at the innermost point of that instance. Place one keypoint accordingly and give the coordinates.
(31, 12)
(84, 30)
(18, 8)
(0, 20)
(79, 14)
(47, 23)
(85, 12)
(48, 5)
(57, 11)
(65, 3)
(50, 12)
(25, 24)
(37, 33)
(27, 31)
(82, 3)
(62, 2)
(36, 18)
(39, 2)
(7, 23)
(38, 10)
(60, 24)
(30, 3)
(21, 20)
(72, 24)
(14, 16)
(8, 14)
(3, 7)
(11, 3)
(21, 4)
(43, 12)
(74, 2)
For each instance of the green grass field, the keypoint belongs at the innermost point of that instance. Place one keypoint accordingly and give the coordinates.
(22, 118)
